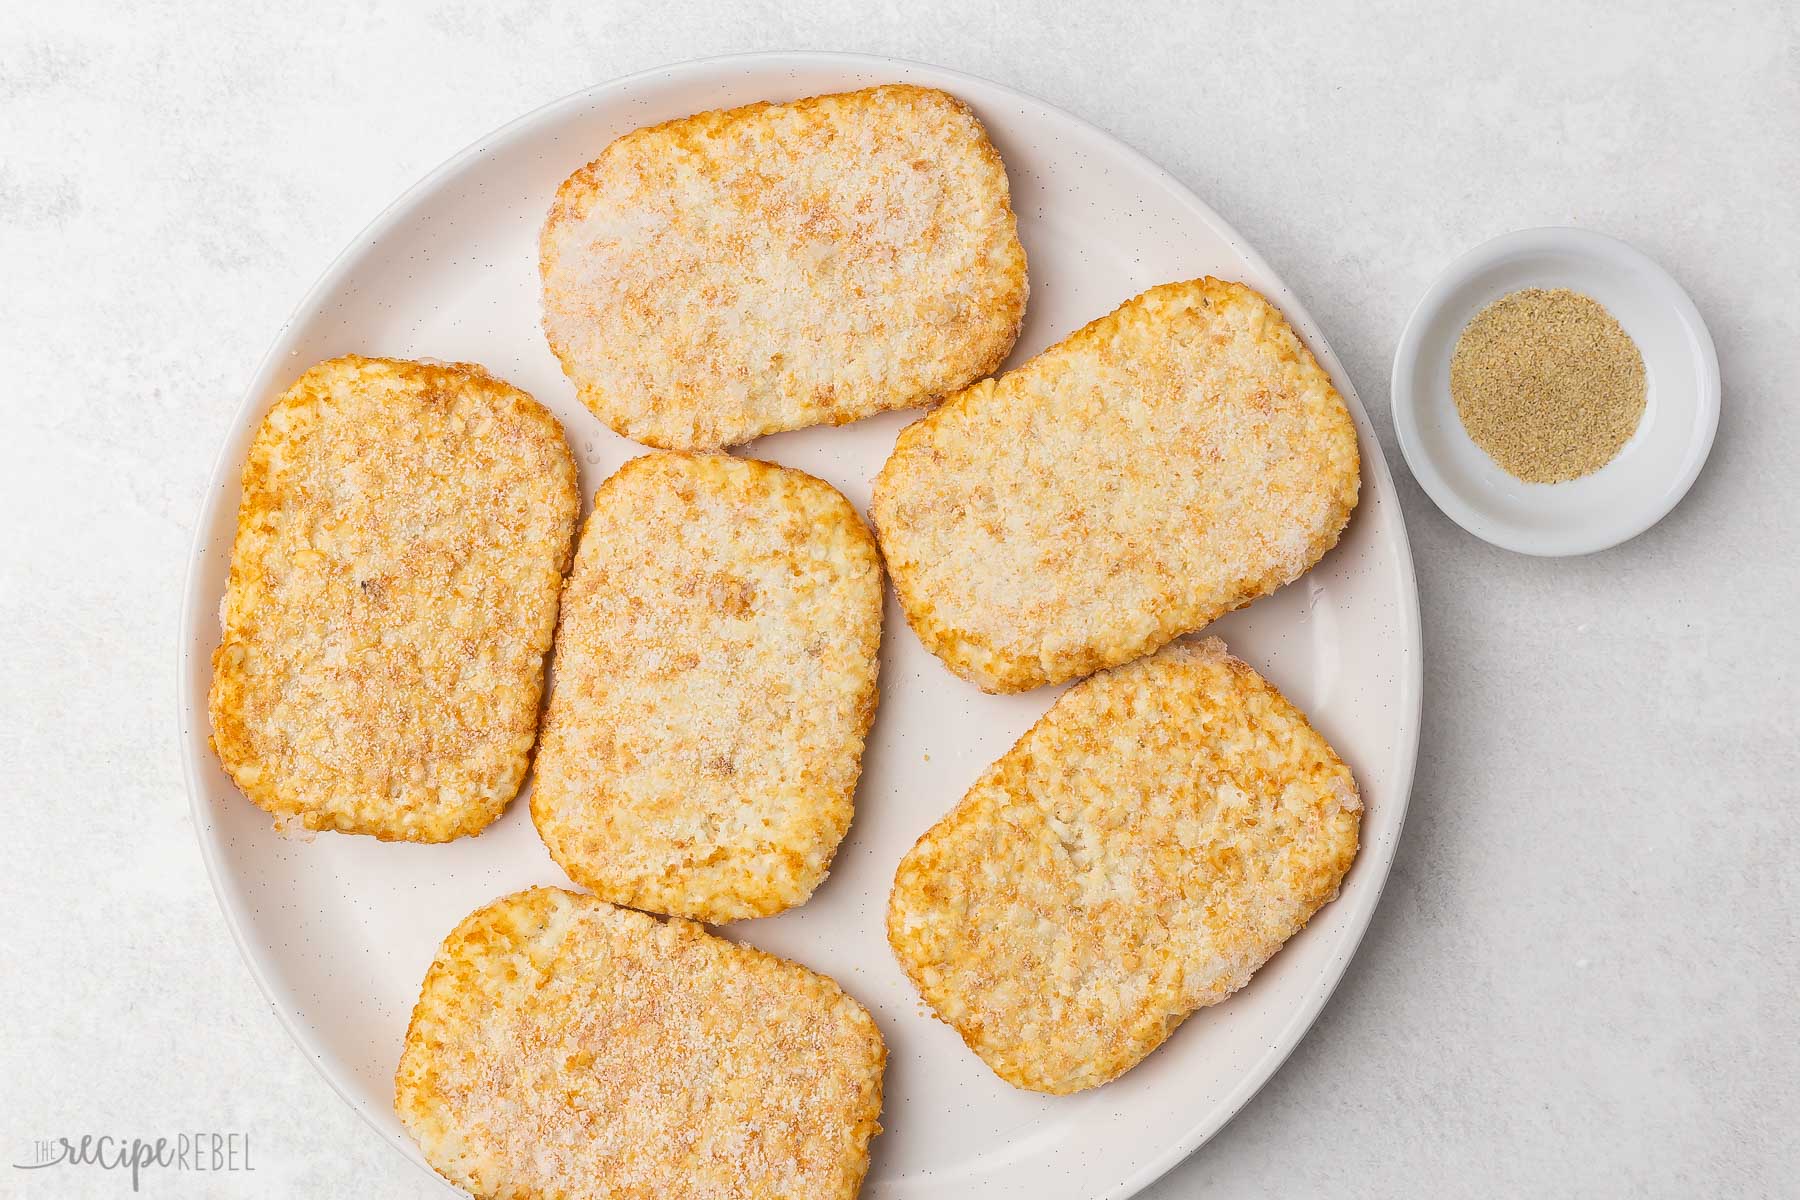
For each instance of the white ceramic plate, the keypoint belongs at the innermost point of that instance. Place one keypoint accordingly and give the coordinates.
(339, 931)
(1653, 470)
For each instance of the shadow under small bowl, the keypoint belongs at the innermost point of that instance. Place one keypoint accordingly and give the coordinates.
(1651, 472)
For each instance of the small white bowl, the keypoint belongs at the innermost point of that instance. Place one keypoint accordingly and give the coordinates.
(1653, 470)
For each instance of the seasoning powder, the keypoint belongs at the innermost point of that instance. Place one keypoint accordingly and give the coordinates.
(1548, 384)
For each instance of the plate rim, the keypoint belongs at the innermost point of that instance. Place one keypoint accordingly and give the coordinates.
(190, 705)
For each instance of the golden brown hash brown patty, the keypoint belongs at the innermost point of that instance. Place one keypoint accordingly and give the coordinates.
(565, 1048)
(1164, 465)
(736, 273)
(1141, 851)
(715, 679)
(401, 541)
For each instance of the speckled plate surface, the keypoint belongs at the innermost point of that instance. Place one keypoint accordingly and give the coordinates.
(339, 931)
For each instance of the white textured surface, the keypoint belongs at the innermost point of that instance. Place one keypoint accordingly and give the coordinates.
(1582, 978)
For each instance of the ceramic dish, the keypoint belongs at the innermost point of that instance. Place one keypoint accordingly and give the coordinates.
(1653, 470)
(339, 931)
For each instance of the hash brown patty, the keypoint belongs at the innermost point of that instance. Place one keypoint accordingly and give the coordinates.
(563, 1048)
(1143, 849)
(740, 272)
(715, 680)
(1160, 467)
(400, 546)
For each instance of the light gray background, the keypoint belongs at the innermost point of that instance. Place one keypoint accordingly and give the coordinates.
(1582, 980)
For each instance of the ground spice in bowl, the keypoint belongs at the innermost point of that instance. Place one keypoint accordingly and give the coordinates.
(1548, 383)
